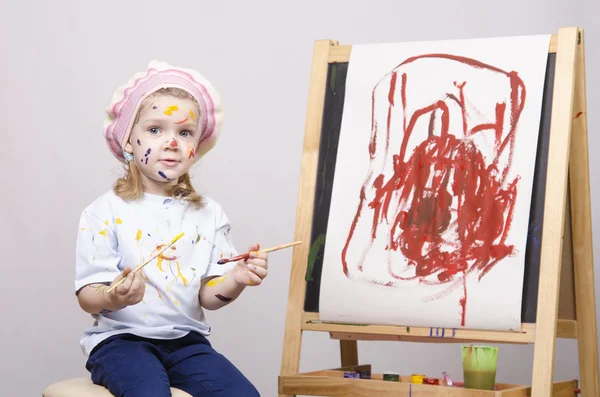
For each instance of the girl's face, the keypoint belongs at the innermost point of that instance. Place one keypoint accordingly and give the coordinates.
(164, 141)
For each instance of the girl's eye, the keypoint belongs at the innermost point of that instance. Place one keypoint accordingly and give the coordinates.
(185, 133)
(154, 130)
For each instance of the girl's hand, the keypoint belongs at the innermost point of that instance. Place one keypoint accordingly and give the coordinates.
(130, 292)
(252, 271)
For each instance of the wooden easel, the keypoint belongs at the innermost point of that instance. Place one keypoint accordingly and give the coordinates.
(565, 216)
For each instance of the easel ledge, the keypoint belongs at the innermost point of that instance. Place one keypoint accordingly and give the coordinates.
(566, 269)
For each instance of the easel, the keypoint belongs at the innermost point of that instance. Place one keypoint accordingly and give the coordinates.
(565, 215)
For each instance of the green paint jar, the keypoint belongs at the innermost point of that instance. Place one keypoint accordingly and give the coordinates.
(479, 366)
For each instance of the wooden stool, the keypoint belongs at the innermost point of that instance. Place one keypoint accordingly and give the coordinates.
(84, 387)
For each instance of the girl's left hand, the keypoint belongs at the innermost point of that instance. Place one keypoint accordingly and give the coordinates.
(252, 271)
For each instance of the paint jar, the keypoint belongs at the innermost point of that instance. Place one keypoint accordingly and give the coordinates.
(431, 381)
(353, 375)
(391, 376)
(479, 366)
(364, 374)
(417, 379)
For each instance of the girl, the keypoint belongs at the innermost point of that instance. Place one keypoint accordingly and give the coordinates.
(150, 332)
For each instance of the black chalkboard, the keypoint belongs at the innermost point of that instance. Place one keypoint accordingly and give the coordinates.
(332, 119)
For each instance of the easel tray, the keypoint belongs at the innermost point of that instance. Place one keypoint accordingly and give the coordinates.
(333, 383)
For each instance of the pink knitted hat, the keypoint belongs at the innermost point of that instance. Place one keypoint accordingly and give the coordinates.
(127, 99)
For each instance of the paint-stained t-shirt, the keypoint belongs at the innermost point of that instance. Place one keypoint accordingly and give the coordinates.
(114, 234)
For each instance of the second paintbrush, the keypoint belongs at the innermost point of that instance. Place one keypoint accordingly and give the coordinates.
(247, 254)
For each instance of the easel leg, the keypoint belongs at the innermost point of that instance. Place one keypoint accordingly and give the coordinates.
(349, 352)
(581, 219)
(292, 340)
(554, 212)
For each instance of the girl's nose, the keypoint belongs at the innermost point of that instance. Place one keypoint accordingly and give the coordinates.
(173, 143)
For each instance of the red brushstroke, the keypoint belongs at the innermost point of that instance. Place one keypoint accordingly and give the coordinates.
(446, 174)
(173, 143)
(192, 154)
(578, 114)
(182, 121)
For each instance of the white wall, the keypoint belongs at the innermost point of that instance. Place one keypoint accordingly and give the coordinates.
(62, 60)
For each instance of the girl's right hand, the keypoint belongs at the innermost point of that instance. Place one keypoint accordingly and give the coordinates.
(130, 292)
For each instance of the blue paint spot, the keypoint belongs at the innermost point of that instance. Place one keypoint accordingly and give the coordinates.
(167, 201)
(161, 173)
(139, 143)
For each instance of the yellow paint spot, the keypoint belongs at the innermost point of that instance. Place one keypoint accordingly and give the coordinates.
(177, 237)
(106, 223)
(119, 221)
(176, 302)
(144, 315)
(215, 281)
(83, 228)
(102, 232)
(169, 111)
(180, 275)
(192, 115)
(159, 262)
(138, 236)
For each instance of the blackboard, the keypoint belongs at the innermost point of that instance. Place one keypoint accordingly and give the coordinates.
(332, 119)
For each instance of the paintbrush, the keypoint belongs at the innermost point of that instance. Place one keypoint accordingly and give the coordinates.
(247, 254)
(149, 260)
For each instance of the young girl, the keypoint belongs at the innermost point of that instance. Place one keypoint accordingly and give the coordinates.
(150, 332)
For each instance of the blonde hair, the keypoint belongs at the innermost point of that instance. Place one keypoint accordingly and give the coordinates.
(130, 186)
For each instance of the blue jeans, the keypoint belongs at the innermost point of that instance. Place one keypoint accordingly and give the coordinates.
(131, 366)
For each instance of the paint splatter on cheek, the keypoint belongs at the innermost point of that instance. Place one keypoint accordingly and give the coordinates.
(162, 174)
(191, 154)
(146, 155)
(139, 143)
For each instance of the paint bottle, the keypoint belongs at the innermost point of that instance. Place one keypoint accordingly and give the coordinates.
(364, 374)
(350, 374)
(417, 379)
(391, 376)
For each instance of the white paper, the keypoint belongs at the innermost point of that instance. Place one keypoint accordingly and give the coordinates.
(508, 82)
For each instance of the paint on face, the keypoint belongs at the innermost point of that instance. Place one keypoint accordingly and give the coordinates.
(191, 154)
(147, 154)
(169, 111)
(162, 174)
(154, 107)
(139, 143)
(182, 121)
(173, 143)
(192, 115)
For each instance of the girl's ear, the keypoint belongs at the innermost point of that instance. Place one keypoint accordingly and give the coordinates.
(128, 147)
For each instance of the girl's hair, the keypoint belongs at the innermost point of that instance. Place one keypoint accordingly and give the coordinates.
(130, 186)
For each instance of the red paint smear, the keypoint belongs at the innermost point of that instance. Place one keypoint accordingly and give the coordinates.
(192, 154)
(173, 143)
(578, 114)
(441, 175)
(182, 121)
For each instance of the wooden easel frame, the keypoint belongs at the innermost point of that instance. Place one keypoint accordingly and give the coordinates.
(566, 216)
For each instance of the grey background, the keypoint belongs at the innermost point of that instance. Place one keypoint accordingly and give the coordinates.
(61, 62)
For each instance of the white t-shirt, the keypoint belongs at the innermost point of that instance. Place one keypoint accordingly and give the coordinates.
(114, 234)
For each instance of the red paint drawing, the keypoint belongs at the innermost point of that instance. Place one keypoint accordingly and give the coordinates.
(438, 197)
